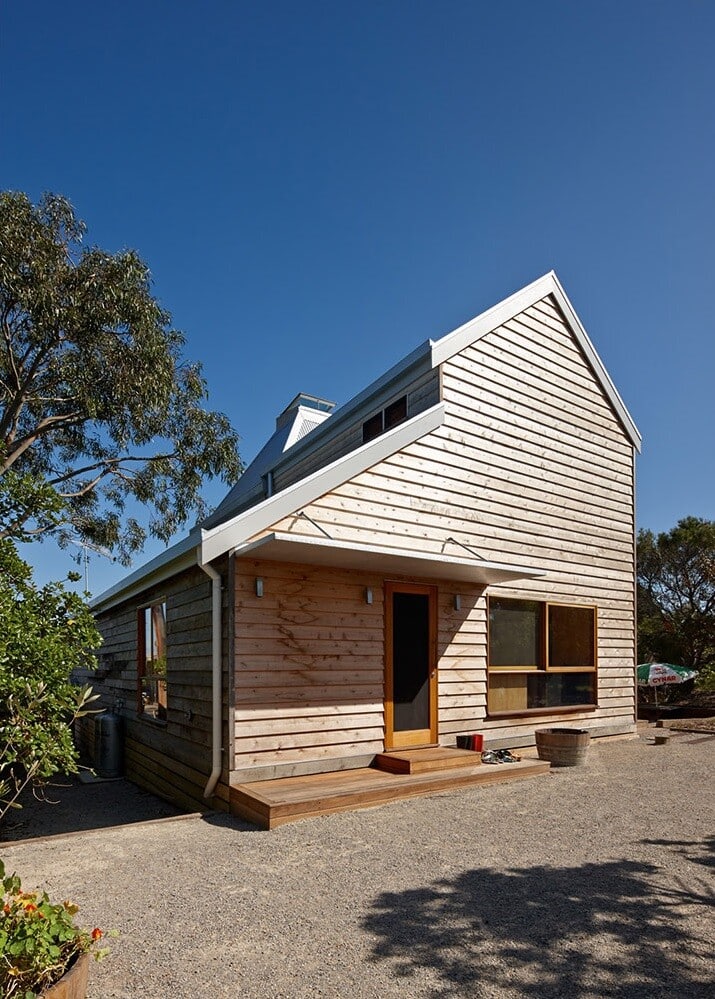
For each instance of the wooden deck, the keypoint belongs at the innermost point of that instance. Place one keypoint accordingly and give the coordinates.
(271, 803)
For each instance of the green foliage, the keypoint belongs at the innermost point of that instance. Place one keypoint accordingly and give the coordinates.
(38, 939)
(45, 633)
(97, 406)
(676, 594)
(706, 678)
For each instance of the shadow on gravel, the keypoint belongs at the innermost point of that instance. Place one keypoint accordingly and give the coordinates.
(700, 853)
(621, 929)
(72, 806)
(222, 820)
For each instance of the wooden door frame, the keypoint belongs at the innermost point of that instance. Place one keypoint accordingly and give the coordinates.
(416, 737)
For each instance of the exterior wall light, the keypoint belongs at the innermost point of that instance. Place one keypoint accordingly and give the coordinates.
(368, 594)
(259, 586)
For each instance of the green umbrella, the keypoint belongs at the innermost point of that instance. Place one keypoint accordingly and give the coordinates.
(662, 674)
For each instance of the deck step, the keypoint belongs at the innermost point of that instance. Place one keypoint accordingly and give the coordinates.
(271, 803)
(420, 761)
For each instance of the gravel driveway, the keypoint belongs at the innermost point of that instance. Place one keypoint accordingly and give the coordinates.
(589, 882)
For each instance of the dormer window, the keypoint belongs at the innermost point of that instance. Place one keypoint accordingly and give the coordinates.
(387, 418)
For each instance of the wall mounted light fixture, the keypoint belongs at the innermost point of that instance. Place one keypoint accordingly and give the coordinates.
(368, 594)
(259, 586)
(457, 601)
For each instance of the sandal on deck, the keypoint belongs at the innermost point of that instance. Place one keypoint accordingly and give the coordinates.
(506, 756)
(489, 756)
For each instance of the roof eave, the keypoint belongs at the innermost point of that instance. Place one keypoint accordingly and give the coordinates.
(180, 556)
(472, 331)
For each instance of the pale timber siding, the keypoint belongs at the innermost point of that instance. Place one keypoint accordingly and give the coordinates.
(532, 467)
(308, 687)
(172, 758)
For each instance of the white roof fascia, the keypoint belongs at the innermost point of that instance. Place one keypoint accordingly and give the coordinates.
(281, 546)
(180, 556)
(226, 537)
(596, 363)
(452, 343)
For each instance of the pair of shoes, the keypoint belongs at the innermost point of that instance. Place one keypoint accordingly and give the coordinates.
(489, 756)
(506, 756)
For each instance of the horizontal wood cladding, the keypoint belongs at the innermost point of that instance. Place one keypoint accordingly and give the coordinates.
(171, 758)
(532, 466)
(308, 671)
(166, 775)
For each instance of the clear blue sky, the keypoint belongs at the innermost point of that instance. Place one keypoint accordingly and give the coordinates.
(320, 186)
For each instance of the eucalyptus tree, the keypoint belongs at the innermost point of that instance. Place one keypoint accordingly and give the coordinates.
(98, 407)
(676, 594)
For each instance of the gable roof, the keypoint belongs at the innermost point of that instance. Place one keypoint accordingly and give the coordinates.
(228, 529)
(501, 313)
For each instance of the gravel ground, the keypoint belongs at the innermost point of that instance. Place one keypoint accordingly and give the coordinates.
(594, 881)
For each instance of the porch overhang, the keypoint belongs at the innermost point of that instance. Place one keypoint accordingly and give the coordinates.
(282, 547)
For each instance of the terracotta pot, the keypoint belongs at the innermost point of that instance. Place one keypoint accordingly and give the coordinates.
(563, 747)
(73, 984)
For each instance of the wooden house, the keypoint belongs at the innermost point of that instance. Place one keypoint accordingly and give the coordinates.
(450, 552)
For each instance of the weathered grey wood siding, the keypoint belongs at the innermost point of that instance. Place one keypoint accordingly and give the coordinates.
(532, 467)
(172, 758)
(300, 461)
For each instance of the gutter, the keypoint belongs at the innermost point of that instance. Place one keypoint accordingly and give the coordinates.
(216, 676)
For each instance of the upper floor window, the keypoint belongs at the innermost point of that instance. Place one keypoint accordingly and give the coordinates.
(152, 696)
(387, 418)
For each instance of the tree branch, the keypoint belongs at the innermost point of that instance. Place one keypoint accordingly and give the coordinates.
(45, 426)
(105, 462)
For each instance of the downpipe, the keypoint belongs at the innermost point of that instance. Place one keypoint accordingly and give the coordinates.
(216, 678)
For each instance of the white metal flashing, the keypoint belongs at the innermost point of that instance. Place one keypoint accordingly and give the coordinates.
(472, 331)
(180, 556)
(243, 526)
(280, 546)
(419, 359)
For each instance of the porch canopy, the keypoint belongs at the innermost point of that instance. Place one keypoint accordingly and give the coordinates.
(282, 547)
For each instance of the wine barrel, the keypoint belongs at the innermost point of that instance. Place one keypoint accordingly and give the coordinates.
(563, 747)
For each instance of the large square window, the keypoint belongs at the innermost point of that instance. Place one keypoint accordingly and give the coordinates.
(541, 656)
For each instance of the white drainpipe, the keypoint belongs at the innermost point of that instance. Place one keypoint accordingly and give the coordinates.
(216, 676)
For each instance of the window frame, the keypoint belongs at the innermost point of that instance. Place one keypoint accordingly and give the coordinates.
(381, 416)
(142, 674)
(542, 649)
(594, 639)
(546, 668)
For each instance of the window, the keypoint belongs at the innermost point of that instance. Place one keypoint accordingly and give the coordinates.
(387, 418)
(151, 665)
(541, 656)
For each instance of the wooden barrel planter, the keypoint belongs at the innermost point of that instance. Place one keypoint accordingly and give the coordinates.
(73, 984)
(563, 747)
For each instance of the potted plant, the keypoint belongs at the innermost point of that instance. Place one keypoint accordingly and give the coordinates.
(42, 951)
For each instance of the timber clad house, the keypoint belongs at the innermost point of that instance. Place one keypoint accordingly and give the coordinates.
(450, 552)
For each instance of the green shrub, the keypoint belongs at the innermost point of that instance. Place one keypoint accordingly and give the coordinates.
(45, 633)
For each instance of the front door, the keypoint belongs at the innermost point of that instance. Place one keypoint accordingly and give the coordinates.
(410, 665)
